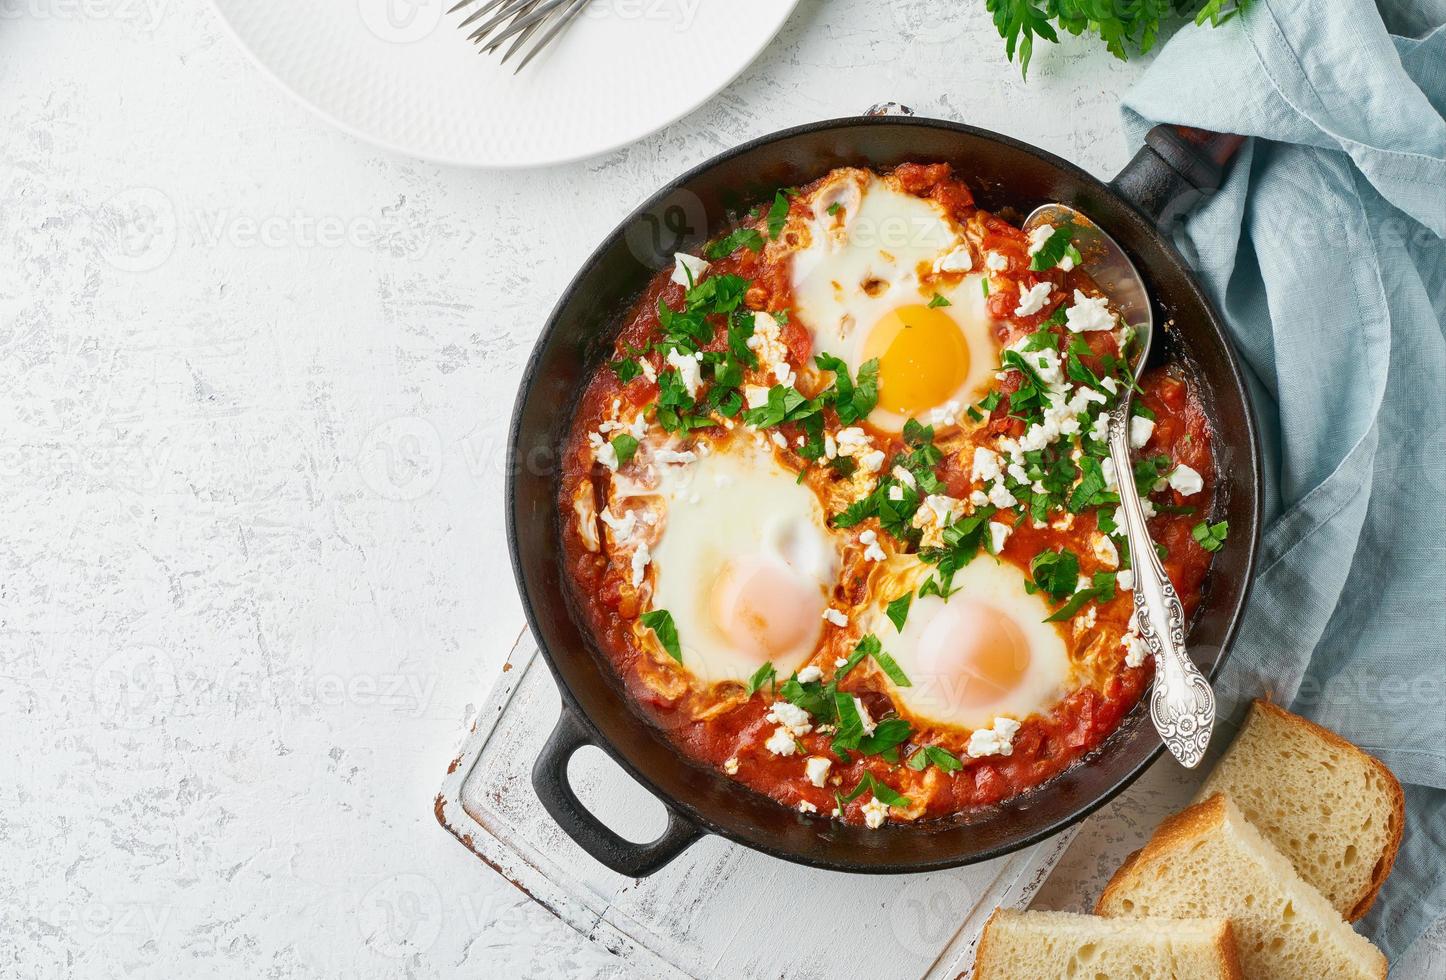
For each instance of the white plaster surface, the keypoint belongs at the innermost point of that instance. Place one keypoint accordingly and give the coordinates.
(254, 383)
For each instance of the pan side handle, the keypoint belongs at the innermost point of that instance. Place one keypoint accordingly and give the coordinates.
(550, 782)
(1176, 169)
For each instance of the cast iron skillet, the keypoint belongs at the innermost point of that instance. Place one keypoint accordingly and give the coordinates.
(1174, 169)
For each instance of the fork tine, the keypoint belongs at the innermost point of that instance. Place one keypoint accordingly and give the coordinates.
(561, 22)
(536, 15)
(509, 8)
(517, 43)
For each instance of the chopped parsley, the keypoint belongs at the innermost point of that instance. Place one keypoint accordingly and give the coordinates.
(1055, 573)
(763, 675)
(1055, 248)
(933, 755)
(938, 301)
(898, 610)
(625, 446)
(1210, 536)
(1100, 589)
(778, 215)
(835, 207)
(879, 790)
(660, 621)
(748, 238)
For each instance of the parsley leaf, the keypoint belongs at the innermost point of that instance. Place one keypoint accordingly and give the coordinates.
(778, 215)
(879, 790)
(1056, 572)
(625, 446)
(748, 238)
(1059, 244)
(933, 755)
(1210, 536)
(763, 675)
(898, 610)
(938, 301)
(1101, 589)
(660, 621)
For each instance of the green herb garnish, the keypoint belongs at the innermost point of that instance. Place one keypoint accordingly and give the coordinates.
(1210, 536)
(660, 621)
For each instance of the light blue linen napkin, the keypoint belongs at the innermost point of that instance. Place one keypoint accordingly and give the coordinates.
(1325, 251)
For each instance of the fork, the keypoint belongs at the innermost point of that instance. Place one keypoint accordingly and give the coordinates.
(518, 21)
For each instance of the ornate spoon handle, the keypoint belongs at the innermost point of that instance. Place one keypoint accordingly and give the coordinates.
(1182, 705)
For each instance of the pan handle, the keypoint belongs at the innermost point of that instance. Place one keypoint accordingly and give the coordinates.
(550, 782)
(1176, 169)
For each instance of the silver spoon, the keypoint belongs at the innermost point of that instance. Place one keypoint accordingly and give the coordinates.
(1182, 705)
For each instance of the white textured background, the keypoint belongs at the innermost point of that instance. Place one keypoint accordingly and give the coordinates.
(254, 384)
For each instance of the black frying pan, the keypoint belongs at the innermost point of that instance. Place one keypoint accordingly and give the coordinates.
(1164, 179)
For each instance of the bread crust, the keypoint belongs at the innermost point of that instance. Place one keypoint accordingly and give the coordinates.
(1396, 820)
(1190, 823)
(1224, 945)
(1229, 955)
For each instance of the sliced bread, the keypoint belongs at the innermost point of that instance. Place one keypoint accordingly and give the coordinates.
(1048, 945)
(1208, 861)
(1334, 811)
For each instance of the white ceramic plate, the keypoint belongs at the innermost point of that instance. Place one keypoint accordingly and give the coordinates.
(400, 74)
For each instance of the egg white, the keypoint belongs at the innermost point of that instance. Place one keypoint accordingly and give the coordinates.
(737, 504)
(968, 701)
(877, 252)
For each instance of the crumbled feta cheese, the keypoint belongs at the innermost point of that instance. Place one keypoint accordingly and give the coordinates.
(852, 441)
(1107, 470)
(1185, 481)
(998, 534)
(731, 766)
(688, 371)
(1088, 313)
(1000, 496)
(998, 740)
(781, 742)
(946, 414)
(1110, 384)
(768, 344)
(806, 807)
(1125, 579)
(995, 262)
(791, 717)
(978, 498)
(830, 446)
(1141, 429)
(809, 674)
(835, 617)
(816, 769)
(688, 269)
(896, 492)
(872, 462)
(875, 813)
(603, 451)
(622, 527)
(1038, 236)
(904, 476)
(1018, 473)
(986, 465)
(1105, 550)
(778, 439)
(870, 540)
(641, 557)
(1032, 300)
(1100, 430)
(1046, 364)
(1135, 649)
(755, 395)
(959, 260)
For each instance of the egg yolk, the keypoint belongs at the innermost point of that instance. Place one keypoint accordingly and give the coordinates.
(923, 358)
(978, 653)
(764, 610)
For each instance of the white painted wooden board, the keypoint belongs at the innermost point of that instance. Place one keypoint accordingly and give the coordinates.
(719, 910)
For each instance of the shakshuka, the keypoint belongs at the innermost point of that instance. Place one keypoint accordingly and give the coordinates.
(840, 510)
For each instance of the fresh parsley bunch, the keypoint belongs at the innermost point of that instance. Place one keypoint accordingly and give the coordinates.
(1126, 26)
